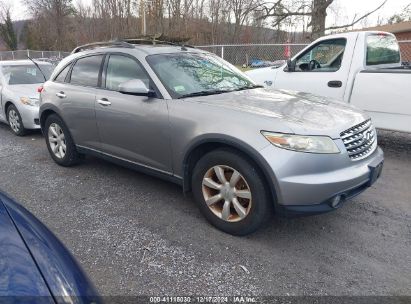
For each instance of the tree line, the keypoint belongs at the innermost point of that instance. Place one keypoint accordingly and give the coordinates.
(61, 24)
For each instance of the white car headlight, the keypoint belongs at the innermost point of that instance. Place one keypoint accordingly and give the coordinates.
(30, 101)
(302, 143)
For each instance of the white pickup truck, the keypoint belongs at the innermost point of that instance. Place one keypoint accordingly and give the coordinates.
(360, 68)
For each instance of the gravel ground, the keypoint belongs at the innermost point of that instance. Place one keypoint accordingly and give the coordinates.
(137, 235)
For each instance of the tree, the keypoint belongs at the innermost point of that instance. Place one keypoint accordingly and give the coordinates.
(7, 32)
(241, 9)
(52, 19)
(316, 11)
(217, 9)
(405, 15)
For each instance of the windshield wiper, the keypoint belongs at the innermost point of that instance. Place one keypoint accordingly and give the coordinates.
(37, 66)
(214, 92)
(204, 93)
(254, 86)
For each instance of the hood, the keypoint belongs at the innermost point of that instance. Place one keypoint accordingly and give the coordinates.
(303, 113)
(58, 267)
(24, 90)
(19, 273)
(261, 75)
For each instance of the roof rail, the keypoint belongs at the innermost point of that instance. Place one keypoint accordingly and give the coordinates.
(115, 43)
(154, 42)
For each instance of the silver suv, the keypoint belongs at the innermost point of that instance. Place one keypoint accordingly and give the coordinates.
(188, 116)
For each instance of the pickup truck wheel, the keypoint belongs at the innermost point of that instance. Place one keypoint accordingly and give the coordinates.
(15, 121)
(59, 142)
(230, 192)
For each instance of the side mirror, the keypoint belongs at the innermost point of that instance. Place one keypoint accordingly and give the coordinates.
(290, 65)
(135, 87)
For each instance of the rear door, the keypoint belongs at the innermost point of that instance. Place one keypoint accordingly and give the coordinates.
(76, 92)
(135, 128)
(322, 69)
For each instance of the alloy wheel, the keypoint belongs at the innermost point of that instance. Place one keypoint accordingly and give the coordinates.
(57, 140)
(227, 193)
(14, 121)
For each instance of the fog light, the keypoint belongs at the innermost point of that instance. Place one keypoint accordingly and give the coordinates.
(335, 201)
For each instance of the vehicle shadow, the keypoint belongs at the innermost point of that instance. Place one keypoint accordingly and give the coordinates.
(395, 143)
(30, 132)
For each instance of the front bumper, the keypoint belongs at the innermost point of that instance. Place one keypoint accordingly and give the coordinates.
(307, 183)
(30, 116)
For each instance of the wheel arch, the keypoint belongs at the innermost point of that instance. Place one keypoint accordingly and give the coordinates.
(210, 143)
(7, 104)
(46, 112)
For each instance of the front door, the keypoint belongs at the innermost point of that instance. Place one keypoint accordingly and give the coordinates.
(134, 128)
(322, 70)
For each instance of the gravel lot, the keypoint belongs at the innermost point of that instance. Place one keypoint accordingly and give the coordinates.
(136, 235)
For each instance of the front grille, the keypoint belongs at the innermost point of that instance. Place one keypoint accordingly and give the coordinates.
(360, 140)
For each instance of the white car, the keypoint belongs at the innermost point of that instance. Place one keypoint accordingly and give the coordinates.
(19, 83)
(360, 68)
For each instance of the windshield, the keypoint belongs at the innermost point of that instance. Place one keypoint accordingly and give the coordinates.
(191, 74)
(26, 74)
(382, 49)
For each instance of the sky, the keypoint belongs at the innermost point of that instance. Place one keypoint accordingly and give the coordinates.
(350, 8)
(347, 9)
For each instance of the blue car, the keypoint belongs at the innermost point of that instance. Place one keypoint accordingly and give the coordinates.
(35, 267)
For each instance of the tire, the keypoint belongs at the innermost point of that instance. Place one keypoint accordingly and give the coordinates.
(59, 142)
(15, 121)
(254, 199)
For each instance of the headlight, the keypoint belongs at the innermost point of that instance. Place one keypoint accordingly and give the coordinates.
(302, 143)
(30, 101)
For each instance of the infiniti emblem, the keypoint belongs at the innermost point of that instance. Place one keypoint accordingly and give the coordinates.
(368, 136)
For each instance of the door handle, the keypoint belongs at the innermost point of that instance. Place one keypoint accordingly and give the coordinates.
(61, 94)
(104, 102)
(335, 84)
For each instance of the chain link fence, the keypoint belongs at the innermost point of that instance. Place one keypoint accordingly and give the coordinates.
(256, 55)
(405, 47)
(247, 55)
(51, 56)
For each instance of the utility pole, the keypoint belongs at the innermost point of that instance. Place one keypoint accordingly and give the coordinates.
(143, 18)
(144, 5)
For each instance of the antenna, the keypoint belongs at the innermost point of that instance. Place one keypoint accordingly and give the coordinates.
(36, 64)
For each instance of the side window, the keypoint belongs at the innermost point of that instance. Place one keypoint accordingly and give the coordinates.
(121, 69)
(62, 75)
(382, 49)
(323, 57)
(86, 70)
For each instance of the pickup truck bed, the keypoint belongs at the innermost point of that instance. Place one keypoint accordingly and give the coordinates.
(382, 93)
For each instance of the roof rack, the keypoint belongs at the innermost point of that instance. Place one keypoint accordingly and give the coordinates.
(128, 43)
(154, 42)
(115, 43)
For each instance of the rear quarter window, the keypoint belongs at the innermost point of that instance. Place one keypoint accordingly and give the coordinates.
(382, 49)
(62, 75)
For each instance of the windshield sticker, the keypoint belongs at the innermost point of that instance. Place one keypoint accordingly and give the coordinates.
(31, 71)
(179, 88)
